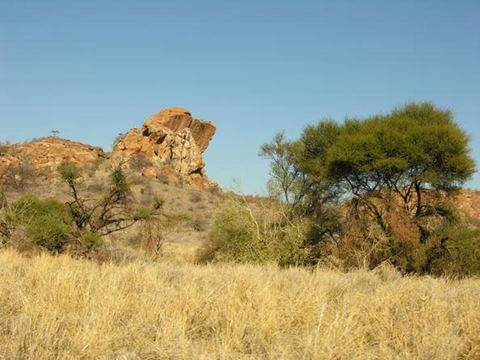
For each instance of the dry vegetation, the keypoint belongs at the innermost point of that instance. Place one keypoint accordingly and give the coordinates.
(63, 308)
(149, 292)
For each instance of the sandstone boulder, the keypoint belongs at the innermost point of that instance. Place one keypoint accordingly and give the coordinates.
(172, 138)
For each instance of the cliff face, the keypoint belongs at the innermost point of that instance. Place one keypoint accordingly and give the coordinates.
(171, 140)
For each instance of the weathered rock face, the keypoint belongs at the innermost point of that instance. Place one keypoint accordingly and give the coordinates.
(52, 151)
(6, 162)
(172, 138)
(468, 202)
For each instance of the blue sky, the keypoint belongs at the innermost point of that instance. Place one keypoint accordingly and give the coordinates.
(93, 69)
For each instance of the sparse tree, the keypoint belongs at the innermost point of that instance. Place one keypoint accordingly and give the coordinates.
(287, 181)
(112, 213)
(119, 137)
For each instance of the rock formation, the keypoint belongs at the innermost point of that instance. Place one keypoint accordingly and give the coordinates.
(169, 147)
(171, 139)
(19, 162)
(52, 151)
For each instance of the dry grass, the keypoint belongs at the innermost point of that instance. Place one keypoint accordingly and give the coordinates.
(61, 308)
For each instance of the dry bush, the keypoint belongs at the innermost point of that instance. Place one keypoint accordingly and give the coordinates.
(61, 308)
(196, 197)
(200, 223)
(259, 232)
(21, 176)
(139, 161)
(4, 148)
(163, 178)
(446, 249)
(153, 237)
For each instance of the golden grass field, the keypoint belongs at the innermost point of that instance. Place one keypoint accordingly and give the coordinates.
(62, 308)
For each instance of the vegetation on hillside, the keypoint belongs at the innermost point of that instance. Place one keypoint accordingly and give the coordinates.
(325, 260)
(79, 224)
(363, 192)
(346, 196)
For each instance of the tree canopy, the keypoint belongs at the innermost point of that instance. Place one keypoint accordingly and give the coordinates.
(413, 147)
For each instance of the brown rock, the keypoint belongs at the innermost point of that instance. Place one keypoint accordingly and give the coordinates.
(52, 151)
(171, 138)
(177, 119)
(7, 161)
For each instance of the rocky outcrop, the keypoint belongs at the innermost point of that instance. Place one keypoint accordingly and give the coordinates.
(171, 139)
(468, 202)
(169, 147)
(52, 151)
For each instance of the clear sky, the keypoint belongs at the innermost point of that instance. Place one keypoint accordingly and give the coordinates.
(93, 69)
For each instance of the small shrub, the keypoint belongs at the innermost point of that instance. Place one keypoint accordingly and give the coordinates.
(261, 233)
(163, 179)
(200, 224)
(158, 202)
(47, 222)
(457, 253)
(69, 171)
(215, 190)
(97, 162)
(45, 172)
(118, 138)
(153, 237)
(91, 240)
(139, 161)
(119, 182)
(4, 148)
(135, 240)
(49, 232)
(196, 197)
(21, 176)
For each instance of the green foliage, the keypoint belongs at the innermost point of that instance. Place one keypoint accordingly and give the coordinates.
(303, 191)
(49, 232)
(393, 172)
(110, 213)
(242, 232)
(158, 202)
(4, 147)
(46, 221)
(417, 144)
(97, 162)
(29, 207)
(286, 182)
(457, 254)
(91, 240)
(119, 185)
(316, 140)
(69, 171)
(142, 213)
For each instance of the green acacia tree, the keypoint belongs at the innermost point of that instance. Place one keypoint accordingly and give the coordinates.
(415, 147)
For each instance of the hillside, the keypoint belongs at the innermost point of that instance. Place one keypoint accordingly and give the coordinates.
(161, 158)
